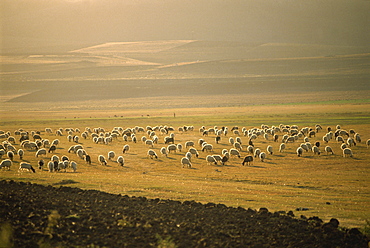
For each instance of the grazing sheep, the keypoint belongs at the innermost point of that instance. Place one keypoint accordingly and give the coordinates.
(120, 160)
(188, 155)
(168, 140)
(282, 147)
(316, 150)
(111, 155)
(218, 158)
(102, 160)
(26, 166)
(225, 158)
(194, 151)
(81, 153)
(343, 146)
(367, 143)
(262, 156)
(152, 154)
(73, 165)
(210, 159)
(40, 152)
(269, 149)
(247, 160)
(350, 142)
(217, 139)
(189, 143)
(171, 147)
(185, 161)
(149, 142)
(357, 137)
(52, 148)
(163, 151)
(2, 153)
(231, 141)
(329, 149)
(87, 158)
(51, 166)
(200, 142)
(10, 155)
(234, 152)
(305, 147)
(207, 147)
(179, 147)
(20, 153)
(7, 163)
(257, 152)
(238, 146)
(250, 149)
(126, 148)
(347, 152)
(299, 151)
(339, 139)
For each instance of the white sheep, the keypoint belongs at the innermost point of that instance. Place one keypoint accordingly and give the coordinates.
(329, 149)
(262, 156)
(40, 152)
(189, 143)
(26, 166)
(210, 159)
(238, 146)
(188, 155)
(269, 149)
(7, 163)
(20, 153)
(171, 147)
(304, 146)
(207, 147)
(316, 150)
(367, 143)
(111, 155)
(185, 161)
(179, 147)
(120, 160)
(247, 160)
(257, 152)
(163, 151)
(347, 152)
(357, 137)
(250, 149)
(102, 160)
(218, 158)
(152, 154)
(282, 147)
(149, 142)
(126, 148)
(234, 152)
(299, 151)
(343, 146)
(194, 151)
(231, 141)
(51, 166)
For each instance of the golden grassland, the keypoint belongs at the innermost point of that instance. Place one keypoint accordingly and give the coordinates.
(328, 186)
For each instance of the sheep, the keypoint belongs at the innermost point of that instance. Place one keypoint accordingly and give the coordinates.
(250, 149)
(269, 149)
(20, 153)
(357, 137)
(168, 140)
(217, 139)
(102, 160)
(10, 155)
(179, 147)
(329, 149)
(347, 152)
(126, 148)
(247, 160)
(52, 148)
(200, 142)
(350, 142)
(81, 153)
(171, 147)
(188, 155)
(238, 146)
(73, 165)
(208, 148)
(367, 143)
(185, 161)
(299, 151)
(262, 156)
(210, 159)
(87, 158)
(231, 141)
(2, 153)
(189, 143)
(234, 152)
(163, 151)
(7, 163)
(316, 150)
(40, 152)
(343, 146)
(149, 142)
(111, 155)
(257, 152)
(218, 158)
(152, 154)
(120, 160)
(339, 139)
(225, 158)
(282, 147)
(26, 166)
(304, 147)
(194, 151)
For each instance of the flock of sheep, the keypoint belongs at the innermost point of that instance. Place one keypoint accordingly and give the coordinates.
(306, 139)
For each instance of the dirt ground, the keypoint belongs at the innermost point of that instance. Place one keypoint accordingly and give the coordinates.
(66, 217)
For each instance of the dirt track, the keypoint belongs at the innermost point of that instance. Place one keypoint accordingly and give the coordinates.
(71, 217)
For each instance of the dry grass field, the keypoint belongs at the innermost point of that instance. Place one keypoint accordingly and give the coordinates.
(204, 84)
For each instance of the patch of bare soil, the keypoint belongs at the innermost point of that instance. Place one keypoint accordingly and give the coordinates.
(71, 217)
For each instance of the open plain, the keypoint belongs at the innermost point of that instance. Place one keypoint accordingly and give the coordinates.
(200, 84)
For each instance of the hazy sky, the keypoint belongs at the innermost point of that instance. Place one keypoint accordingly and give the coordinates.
(35, 23)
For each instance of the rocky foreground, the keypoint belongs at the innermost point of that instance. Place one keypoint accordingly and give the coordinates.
(33, 215)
